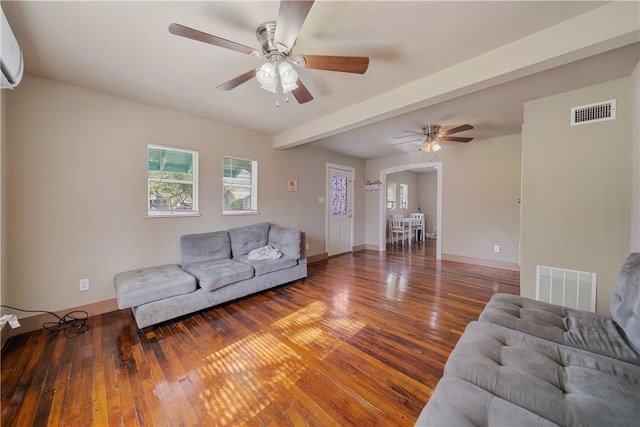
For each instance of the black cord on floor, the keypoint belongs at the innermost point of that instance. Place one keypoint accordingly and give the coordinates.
(74, 322)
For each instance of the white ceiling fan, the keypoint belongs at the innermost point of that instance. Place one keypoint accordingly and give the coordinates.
(431, 135)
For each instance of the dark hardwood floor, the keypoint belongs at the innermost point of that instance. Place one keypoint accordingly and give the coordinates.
(362, 341)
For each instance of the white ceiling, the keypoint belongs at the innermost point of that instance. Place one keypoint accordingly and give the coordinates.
(125, 49)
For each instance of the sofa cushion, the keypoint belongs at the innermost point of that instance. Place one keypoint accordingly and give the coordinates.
(625, 301)
(564, 385)
(460, 403)
(287, 240)
(204, 247)
(213, 275)
(247, 238)
(264, 266)
(137, 287)
(576, 328)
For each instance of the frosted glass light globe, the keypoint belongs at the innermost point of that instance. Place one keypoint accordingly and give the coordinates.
(266, 74)
(288, 75)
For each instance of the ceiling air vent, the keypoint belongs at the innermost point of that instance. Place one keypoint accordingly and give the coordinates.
(593, 113)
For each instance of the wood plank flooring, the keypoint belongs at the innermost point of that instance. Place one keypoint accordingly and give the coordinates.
(362, 342)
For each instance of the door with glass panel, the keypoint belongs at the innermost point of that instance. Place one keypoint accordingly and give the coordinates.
(340, 211)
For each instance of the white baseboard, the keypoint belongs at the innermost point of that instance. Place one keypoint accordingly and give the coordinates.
(482, 262)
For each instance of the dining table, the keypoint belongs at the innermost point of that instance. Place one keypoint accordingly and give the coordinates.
(415, 224)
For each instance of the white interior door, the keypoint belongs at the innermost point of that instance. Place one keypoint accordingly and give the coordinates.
(339, 210)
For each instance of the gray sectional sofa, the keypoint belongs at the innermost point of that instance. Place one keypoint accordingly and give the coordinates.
(527, 362)
(215, 267)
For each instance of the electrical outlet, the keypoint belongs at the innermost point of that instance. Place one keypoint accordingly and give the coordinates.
(496, 248)
(84, 284)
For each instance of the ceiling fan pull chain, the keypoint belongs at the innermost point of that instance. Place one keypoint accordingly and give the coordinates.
(277, 85)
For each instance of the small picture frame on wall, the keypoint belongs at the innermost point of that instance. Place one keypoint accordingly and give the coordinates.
(292, 185)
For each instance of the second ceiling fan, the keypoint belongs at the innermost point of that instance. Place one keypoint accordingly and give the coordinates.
(431, 135)
(277, 39)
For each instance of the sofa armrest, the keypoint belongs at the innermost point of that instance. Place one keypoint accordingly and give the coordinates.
(625, 301)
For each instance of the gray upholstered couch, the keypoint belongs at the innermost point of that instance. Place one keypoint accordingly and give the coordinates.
(215, 267)
(527, 362)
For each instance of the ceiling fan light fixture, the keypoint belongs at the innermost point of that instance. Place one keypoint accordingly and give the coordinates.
(430, 137)
(288, 88)
(288, 74)
(271, 87)
(276, 40)
(266, 75)
(288, 77)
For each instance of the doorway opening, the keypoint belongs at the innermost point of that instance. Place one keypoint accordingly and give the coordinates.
(382, 203)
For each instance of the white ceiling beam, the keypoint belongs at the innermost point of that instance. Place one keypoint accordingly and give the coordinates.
(608, 27)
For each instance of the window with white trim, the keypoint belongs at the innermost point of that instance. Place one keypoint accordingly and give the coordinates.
(391, 195)
(404, 196)
(240, 186)
(172, 177)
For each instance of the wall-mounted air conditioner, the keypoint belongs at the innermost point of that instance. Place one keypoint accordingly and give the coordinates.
(11, 62)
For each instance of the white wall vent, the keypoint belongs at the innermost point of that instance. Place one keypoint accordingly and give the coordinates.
(569, 288)
(593, 113)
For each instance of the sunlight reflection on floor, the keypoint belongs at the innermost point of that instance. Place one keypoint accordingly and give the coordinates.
(243, 375)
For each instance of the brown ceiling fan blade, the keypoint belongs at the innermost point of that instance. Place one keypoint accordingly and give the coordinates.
(457, 129)
(344, 64)
(456, 138)
(291, 16)
(301, 93)
(237, 81)
(190, 33)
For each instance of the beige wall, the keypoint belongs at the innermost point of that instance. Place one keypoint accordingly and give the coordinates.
(428, 199)
(481, 188)
(411, 179)
(634, 125)
(3, 194)
(77, 189)
(575, 188)
(73, 190)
